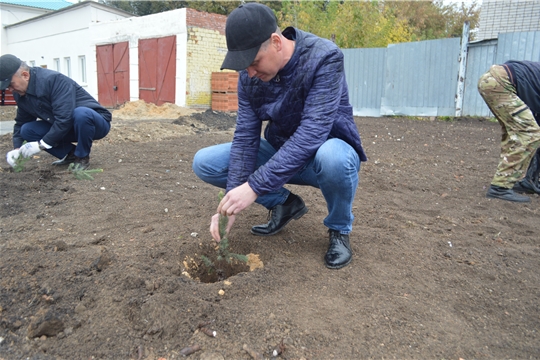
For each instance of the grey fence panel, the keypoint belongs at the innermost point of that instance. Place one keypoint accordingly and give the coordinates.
(508, 46)
(479, 59)
(518, 46)
(364, 71)
(421, 78)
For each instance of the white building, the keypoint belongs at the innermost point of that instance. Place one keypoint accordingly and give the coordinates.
(58, 40)
(507, 16)
(119, 57)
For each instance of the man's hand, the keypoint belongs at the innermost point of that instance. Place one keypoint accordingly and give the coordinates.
(30, 148)
(12, 157)
(214, 226)
(232, 203)
(237, 200)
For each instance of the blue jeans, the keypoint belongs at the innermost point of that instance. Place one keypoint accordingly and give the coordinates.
(334, 169)
(88, 126)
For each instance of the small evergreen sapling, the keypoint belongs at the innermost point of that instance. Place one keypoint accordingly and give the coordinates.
(82, 174)
(20, 161)
(223, 252)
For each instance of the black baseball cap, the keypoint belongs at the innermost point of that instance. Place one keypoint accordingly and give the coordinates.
(9, 64)
(247, 27)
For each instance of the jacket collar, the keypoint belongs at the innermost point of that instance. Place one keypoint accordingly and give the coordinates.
(32, 89)
(291, 34)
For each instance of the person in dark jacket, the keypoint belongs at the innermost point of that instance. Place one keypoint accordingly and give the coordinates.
(53, 112)
(295, 82)
(512, 93)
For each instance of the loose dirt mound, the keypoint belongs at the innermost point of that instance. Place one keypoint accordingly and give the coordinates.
(141, 110)
(142, 122)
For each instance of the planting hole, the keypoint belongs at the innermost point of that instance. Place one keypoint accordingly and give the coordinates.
(207, 267)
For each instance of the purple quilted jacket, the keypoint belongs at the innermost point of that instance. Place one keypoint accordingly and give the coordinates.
(304, 105)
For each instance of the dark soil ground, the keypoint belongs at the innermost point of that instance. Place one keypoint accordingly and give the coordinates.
(107, 269)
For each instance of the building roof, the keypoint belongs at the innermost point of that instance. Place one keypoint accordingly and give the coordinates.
(72, 7)
(40, 4)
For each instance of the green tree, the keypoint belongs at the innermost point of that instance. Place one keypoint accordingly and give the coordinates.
(142, 8)
(349, 23)
(457, 14)
(434, 19)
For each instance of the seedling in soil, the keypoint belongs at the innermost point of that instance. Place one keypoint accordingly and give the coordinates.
(82, 174)
(223, 253)
(19, 163)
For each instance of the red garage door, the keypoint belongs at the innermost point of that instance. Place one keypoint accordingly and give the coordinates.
(113, 74)
(157, 70)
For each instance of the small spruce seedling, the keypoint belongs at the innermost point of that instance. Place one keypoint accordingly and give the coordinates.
(20, 161)
(82, 174)
(223, 252)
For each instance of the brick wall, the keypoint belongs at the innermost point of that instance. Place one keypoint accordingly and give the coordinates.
(504, 16)
(206, 49)
(206, 20)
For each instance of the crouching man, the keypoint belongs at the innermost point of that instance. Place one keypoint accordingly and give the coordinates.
(67, 114)
(295, 81)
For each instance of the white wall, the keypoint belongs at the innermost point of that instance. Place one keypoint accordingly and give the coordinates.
(10, 14)
(507, 16)
(61, 35)
(147, 27)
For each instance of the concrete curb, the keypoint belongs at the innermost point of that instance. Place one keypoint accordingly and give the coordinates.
(6, 127)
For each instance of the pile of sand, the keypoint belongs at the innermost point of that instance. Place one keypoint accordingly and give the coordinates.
(140, 110)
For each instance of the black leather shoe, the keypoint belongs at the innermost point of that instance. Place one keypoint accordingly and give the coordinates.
(497, 192)
(66, 160)
(280, 216)
(339, 252)
(81, 163)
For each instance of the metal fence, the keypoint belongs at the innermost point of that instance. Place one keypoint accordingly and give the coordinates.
(421, 78)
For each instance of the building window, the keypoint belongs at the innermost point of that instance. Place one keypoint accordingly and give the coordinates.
(56, 63)
(82, 68)
(32, 63)
(67, 65)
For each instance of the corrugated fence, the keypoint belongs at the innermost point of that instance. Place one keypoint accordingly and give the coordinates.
(421, 78)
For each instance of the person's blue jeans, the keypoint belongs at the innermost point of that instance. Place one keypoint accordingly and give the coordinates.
(88, 126)
(334, 169)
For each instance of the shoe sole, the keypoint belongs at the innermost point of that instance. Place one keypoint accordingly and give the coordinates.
(295, 217)
(338, 266)
(517, 201)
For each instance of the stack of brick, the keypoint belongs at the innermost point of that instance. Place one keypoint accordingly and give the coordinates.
(225, 91)
(6, 98)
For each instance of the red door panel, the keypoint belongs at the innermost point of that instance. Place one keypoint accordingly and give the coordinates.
(121, 72)
(105, 75)
(113, 74)
(157, 70)
(148, 70)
